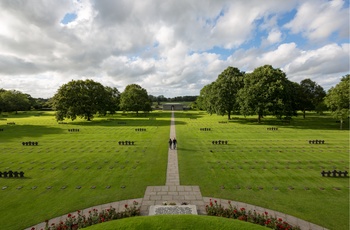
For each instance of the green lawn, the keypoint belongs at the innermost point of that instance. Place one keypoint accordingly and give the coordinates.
(90, 157)
(273, 169)
(278, 170)
(170, 222)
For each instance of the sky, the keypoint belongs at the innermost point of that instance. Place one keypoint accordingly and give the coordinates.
(169, 47)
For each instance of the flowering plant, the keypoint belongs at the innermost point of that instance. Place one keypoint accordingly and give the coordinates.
(80, 220)
(264, 219)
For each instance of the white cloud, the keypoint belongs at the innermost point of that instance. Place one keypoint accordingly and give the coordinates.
(275, 36)
(318, 19)
(163, 45)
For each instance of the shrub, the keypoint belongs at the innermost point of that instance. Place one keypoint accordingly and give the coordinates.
(80, 220)
(215, 209)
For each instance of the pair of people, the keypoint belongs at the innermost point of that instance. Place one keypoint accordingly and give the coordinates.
(172, 143)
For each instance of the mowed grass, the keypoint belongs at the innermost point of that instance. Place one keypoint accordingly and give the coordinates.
(278, 170)
(273, 169)
(69, 171)
(170, 222)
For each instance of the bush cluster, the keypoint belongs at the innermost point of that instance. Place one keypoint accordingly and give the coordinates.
(215, 209)
(80, 220)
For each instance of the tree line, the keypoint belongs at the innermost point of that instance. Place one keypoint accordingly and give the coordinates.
(14, 101)
(87, 98)
(267, 91)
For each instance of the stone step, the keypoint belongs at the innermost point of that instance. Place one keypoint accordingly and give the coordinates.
(179, 195)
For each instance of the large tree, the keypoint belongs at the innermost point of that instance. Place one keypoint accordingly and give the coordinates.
(220, 97)
(267, 91)
(82, 98)
(206, 100)
(112, 100)
(226, 88)
(338, 98)
(311, 95)
(135, 98)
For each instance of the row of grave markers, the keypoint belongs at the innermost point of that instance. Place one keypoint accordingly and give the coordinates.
(73, 130)
(316, 141)
(11, 174)
(126, 142)
(219, 142)
(28, 143)
(334, 173)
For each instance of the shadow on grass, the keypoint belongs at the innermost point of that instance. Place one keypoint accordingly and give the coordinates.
(310, 122)
(27, 131)
(25, 114)
(123, 122)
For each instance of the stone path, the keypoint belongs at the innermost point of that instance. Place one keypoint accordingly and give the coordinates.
(173, 192)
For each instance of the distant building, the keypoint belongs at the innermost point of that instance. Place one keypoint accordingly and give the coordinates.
(173, 106)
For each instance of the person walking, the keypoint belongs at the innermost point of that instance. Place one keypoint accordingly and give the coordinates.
(170, 143)
(174, 143)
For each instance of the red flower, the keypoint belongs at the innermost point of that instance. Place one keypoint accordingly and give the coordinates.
(242, 209)
(280, 219)
(229, 202)
(69, 215)
(266, 213)
(78, 211)
(211, 204)
(125, 205)
(215, 201)
(33, 228)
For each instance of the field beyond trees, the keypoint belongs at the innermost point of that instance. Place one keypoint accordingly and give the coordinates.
(276, 169)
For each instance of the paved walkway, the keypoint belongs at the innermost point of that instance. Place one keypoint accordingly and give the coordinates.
(173, 192)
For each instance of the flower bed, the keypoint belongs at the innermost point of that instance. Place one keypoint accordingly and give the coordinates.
(80, 220)
(215, 209)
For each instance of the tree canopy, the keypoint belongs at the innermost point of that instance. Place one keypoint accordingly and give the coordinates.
(266, 91)
(84, 99)
(311, 95)
(220, 96)
(13, 101)
(135, 98)
(338, 98)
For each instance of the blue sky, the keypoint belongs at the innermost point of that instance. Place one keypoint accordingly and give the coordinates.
(171, 48)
